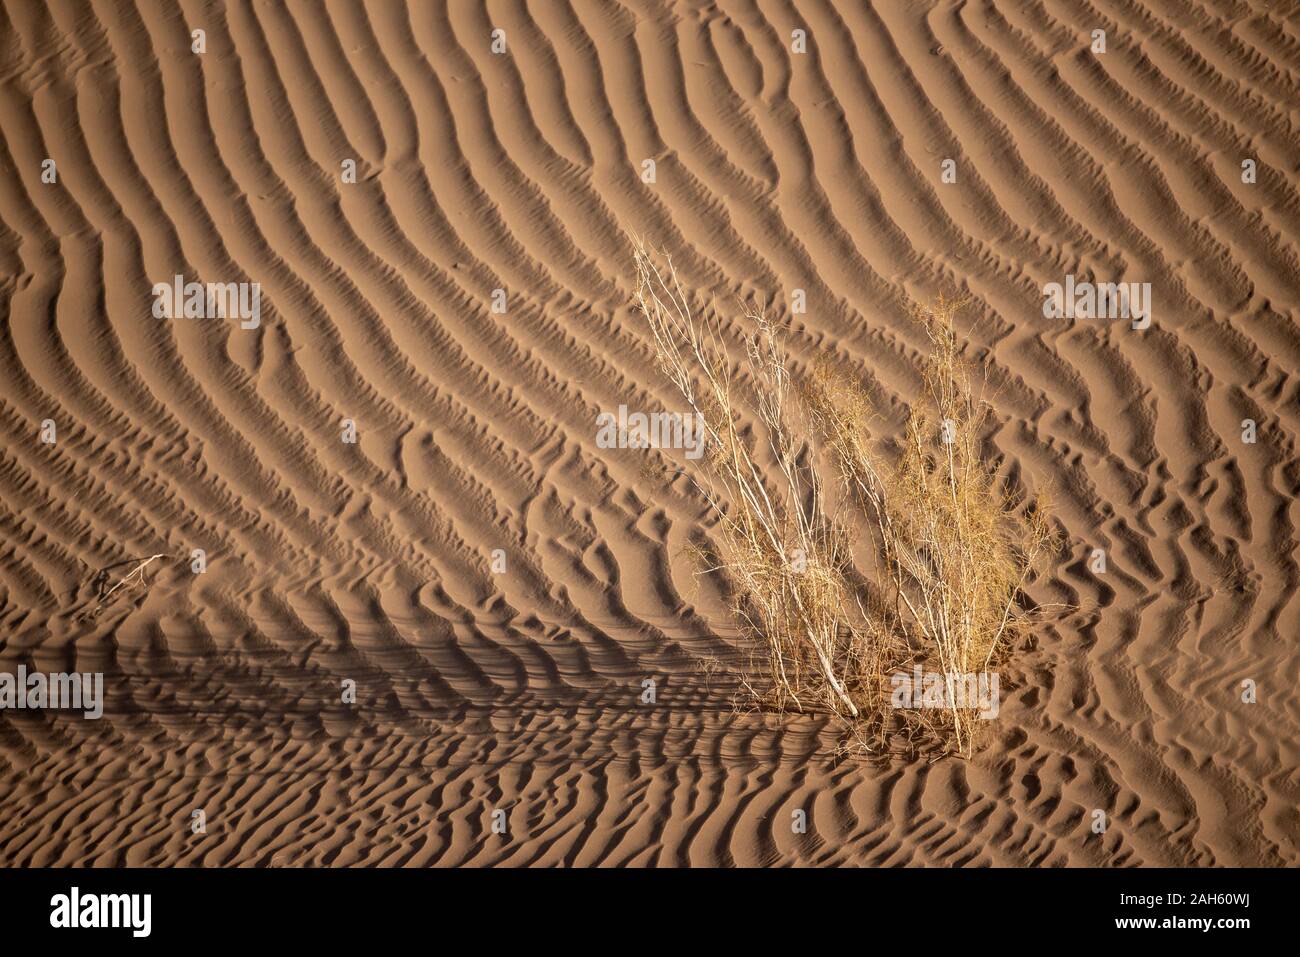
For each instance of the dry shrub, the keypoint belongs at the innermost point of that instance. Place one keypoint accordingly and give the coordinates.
(787, 561)
(956, 548)
(953, 551)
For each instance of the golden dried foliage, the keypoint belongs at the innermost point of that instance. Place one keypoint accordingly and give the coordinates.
(953, 550)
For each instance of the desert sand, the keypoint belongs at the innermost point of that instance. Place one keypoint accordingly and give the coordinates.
(499, 588)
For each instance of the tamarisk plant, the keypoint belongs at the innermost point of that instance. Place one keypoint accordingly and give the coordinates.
(785, 557)
(953, 552)
(955, 548)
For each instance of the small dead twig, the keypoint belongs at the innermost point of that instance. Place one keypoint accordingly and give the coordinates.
(135, 578)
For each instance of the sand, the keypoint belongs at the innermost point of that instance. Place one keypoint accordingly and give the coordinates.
(496, 586)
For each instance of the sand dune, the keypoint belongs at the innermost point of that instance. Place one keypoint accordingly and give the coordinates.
(499, 586)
